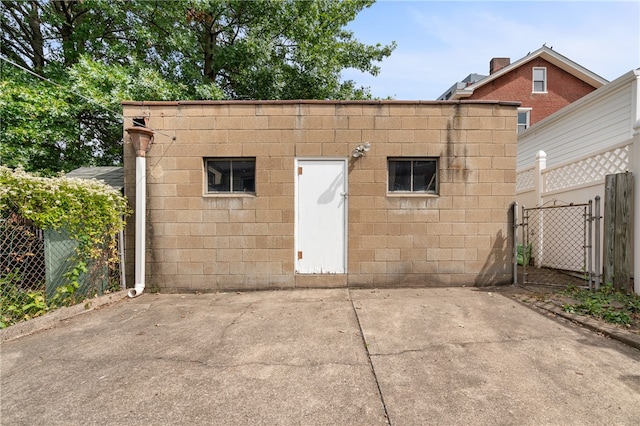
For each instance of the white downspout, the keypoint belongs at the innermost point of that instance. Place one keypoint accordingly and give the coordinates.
(141, 139)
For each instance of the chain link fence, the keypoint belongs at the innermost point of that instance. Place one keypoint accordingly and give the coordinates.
(39, 270)
(556, 248)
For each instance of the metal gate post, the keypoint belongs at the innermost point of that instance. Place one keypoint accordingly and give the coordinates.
(525, 243)
(515, 243)
(590, 242)
(597, 243)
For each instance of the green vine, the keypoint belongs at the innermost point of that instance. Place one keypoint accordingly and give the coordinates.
(17, 304)
(91, 211)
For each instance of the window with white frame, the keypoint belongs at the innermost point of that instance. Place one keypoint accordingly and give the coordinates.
(540, 79)
(413, 175)
(524, 116)
(230, 175)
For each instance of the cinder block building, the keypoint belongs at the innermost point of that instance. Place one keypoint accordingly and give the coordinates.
(247, 195)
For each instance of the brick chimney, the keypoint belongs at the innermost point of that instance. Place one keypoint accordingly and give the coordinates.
(497, 64)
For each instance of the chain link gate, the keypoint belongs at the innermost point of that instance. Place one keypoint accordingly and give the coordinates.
(557, 245)
(34, 264)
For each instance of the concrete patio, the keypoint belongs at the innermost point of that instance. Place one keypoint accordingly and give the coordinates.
(352, 357)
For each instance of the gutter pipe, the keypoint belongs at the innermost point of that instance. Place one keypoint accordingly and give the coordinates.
(141, 138)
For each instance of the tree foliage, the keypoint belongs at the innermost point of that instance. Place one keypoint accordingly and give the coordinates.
(264, 49)
(49, 128)
(102, 52)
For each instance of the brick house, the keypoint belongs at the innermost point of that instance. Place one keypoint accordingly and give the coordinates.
(543, 82)
(279, 194)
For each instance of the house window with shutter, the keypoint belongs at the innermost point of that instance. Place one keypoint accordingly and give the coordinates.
(539, 80)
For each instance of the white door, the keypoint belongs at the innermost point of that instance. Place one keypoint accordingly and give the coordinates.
(321, 216)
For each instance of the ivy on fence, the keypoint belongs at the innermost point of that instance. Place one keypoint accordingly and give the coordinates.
(90, 212)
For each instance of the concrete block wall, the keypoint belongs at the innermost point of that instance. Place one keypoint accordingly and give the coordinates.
(203, 242)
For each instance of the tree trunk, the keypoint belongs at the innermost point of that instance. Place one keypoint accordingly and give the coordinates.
(209, 47)
(71, 17)
(37, 41)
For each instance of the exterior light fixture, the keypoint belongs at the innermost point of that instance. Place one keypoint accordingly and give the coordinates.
(361, 150)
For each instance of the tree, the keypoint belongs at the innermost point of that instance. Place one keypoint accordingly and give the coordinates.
(101, 52)
(22, 39)
(40, 33)
(264, 49)
(45, 125)
(34, 123)
(50, 128)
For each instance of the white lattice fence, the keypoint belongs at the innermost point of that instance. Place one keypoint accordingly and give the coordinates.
(587, 170)
(591, 169)
(525, 180)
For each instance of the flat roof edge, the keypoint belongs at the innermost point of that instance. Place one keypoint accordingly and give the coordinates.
(317, 102)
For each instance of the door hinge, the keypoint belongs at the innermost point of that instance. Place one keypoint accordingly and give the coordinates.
(299, 255)
(299, 171)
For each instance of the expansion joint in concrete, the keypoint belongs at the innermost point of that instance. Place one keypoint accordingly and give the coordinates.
(373, 370)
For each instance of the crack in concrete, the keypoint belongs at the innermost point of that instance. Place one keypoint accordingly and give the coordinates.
(246, 364)
(232, 323)
(459, 344)
(372, 368)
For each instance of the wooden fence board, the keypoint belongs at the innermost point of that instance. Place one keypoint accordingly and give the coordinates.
(617, 230)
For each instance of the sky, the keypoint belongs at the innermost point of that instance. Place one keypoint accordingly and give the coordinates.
(441, 42)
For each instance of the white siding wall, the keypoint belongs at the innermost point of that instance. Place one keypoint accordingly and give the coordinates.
(593, 123)
(597, 135)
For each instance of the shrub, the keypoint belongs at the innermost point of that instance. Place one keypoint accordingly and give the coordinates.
(90, 211)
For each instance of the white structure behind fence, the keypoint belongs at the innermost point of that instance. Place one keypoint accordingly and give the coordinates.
(566, 156)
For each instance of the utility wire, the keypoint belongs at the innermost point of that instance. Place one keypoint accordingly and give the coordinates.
(116, 113)
(61, 86)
